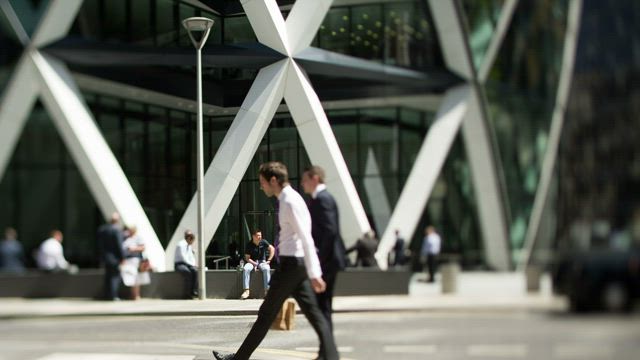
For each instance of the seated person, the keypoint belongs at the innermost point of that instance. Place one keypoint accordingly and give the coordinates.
(256, 258)
(50, 256)
(185, 264)
(365, 248)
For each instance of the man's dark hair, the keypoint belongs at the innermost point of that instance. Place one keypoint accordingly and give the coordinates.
(255, 231)
(274, 168)
(314, 170)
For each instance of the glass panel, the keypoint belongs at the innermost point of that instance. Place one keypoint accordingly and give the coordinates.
(141, 22)
(334, 33)
(29, 12)
(521, 92)
(366, 32)
(238, 30)
(134, 146)
(81, 218)
(165, 23)
(396, 33)
(113, 134)
(283, 144)
(42, 190)
(346, 130)
(482, 18)
(9, 54)
(452, 210)
(136, 22)
(185, 12)
(114, 25)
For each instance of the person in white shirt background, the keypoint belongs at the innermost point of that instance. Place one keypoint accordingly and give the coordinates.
(185, 264)
(50, 255)
(430, 250)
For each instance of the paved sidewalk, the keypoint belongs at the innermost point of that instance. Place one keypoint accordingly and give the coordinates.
(477, 291)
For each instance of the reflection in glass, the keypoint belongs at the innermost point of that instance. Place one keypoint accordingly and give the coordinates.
(521, 92)
(482, 18)
(396, 33)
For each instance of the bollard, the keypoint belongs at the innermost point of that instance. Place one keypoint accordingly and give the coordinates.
(532, 276)
(449, 273)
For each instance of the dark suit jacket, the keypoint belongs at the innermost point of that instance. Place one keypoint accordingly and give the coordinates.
(325, 229)
(110, 239)
(366, 249)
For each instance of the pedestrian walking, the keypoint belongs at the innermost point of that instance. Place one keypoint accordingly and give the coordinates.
(430, 251)
(299, 273)
(325, 229)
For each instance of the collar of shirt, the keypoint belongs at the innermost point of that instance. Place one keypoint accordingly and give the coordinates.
(320, 187)
(285, 189)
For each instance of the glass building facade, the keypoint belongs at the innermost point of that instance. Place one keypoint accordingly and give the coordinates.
(141, 45)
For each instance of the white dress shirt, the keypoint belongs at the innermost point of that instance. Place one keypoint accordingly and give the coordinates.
(185, 253)
(295, 231)
(51, 256)
(431, 245)
(320, 187)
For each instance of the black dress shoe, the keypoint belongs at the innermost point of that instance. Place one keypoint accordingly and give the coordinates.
(219, 356)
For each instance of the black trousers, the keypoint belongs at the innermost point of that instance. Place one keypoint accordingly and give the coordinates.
(290, 278)
(111, 282)
(190, 274)
(432, 266)
(325, 299)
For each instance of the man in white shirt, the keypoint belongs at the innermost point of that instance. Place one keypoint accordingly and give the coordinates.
(430, 250)
(50, 256)
(185, 264)
(299, 273)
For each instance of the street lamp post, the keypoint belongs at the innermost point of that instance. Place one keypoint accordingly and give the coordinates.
(198, 29)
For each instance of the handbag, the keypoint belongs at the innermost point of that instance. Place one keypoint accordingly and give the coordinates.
(145, 265)
(286, 316)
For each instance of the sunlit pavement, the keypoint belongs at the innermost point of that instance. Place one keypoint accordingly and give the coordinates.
(475, 291)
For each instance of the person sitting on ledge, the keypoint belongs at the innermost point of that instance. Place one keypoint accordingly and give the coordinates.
(185, 264)
(258, 256)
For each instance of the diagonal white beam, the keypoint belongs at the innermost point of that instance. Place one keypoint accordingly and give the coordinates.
(15, 107)
(303, 22)
(376, 193)
(268, 24)
(426, 169)
(97, 164)
(453, 40)
(493, 225)
(322, 148)
(283, 79)
(506, 14)
(235, 153)
(57, 21)
(557, 123)
(485, 172)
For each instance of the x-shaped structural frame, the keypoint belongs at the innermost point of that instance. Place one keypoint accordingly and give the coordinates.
(283, 79)
(37, 75)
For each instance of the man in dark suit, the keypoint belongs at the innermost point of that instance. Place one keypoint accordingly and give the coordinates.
(325, 229)
(110, 239)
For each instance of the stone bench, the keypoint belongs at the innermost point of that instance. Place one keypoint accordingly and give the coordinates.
(221, 284)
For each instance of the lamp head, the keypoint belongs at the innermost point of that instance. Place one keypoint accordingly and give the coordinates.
(198, 29)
